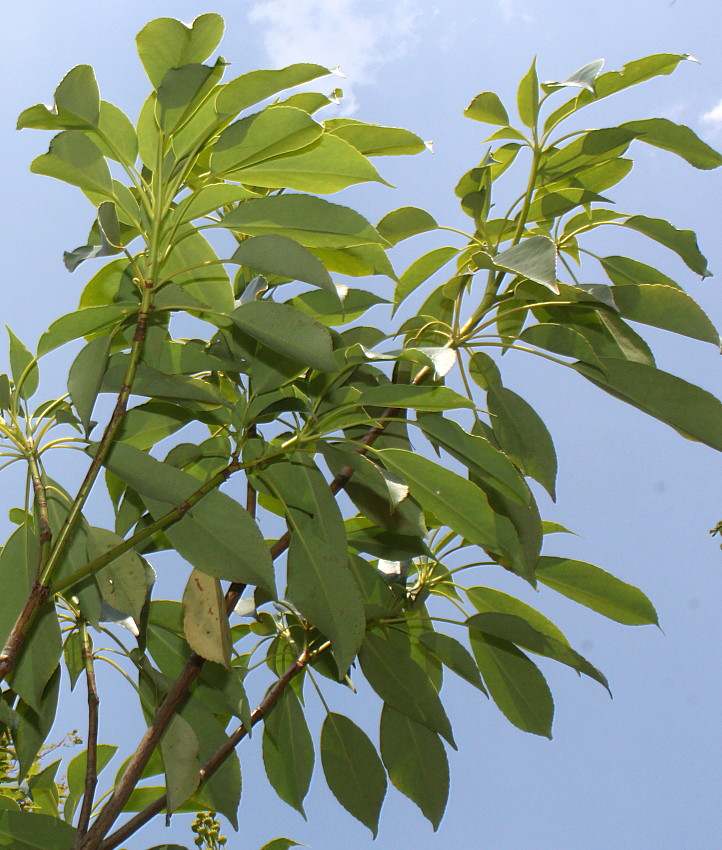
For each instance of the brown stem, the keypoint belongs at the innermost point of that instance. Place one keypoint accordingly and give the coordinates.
(91, 770)
(216, 760)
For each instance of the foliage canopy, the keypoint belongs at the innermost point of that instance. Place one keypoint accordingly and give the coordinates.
(284, 453)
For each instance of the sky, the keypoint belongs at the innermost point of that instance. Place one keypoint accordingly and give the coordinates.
(640, 771)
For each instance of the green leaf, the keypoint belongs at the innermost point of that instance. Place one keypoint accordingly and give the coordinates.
(279, 255)
(24, 370)
(320, 583)
(260, 137)
(357, 261)
(180, 749)
(31, 729)
(353, 770)
(152, 383)
(515, 683)
(523, 436)
(75, 776)
(478, 455)
(280, 844)
(453, 500)
(75, 159)
(89, 320)
(115, 125)
(256, 86)
(561, 340)
(332, 311)
(78, 97)
(665, 134)
(312, 222)
(32, 831)
(73, 654)
(487, 108)
(327, 166)
(86, 376)
(527, 98)
(205, 623)
(123, 582)
(682, 242)
(622, 271)
(288, 750)
(487, 600)
(416, 761)
(692, 411)
(147, 424)
(194, 265)
(288, 331)
(420, 271)
(166, 43)
(404, 223)
(665, 307)
(534, 258)
(374, 140)
(596, 589)
(403, 684)
(217, 536)
(183, 90)
(454, 655)
(517, 630)
(414, 397)
(39, 660)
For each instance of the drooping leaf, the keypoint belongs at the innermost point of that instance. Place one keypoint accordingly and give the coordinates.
(73, 655)
(692, 411)
(476, 453)
(89, 320)
(205, 623)
(665, 134)
(454, 655)
(180, 749)
(123, 582)
(523, 436)
(596, 589)
(583, 78)
(279, 255)
(320, 583)
(488, 600)
(353, 770)
(403, 684)
(374, 140)
(623, 271)
(166, 43)
(217, 535)
(288, 750)
(416, 762)
(515, 683)
(682, 242)
(280, 844)
(561, 340)
(453, 500)
(312, 222)
(666, 307)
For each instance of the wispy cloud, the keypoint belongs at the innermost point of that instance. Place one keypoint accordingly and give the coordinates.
(713, 118)
(512, 11)
(359, 36)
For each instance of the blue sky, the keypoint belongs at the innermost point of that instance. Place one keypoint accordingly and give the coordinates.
(641, 771)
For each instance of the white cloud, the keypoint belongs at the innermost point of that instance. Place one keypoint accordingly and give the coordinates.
(714, 116)
(358, 35)
(511, 11)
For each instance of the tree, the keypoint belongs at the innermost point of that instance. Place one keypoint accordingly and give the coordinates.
(214, 444)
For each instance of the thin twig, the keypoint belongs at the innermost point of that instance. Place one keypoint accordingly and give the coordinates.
(91, 769)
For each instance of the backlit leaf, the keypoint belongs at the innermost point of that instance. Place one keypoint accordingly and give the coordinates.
(205, 623)
(167, 43)
(288, 750)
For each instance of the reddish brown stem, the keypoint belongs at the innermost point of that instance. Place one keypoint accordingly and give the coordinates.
(91, 770)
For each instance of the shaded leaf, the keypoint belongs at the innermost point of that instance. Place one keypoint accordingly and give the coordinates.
(32, 831)
(288, 750)
(454, 655)
(414, 397)
(75, 159)
(665, 134)
(75, 776)
(205, 623)
(666, 307)
(180, 749)
(402, 683)
(420, 271)
(416, 761)
(123, 582)
(353, 770)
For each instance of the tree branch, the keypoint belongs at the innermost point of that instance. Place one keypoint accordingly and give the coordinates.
(217, 759)
(91, 770)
